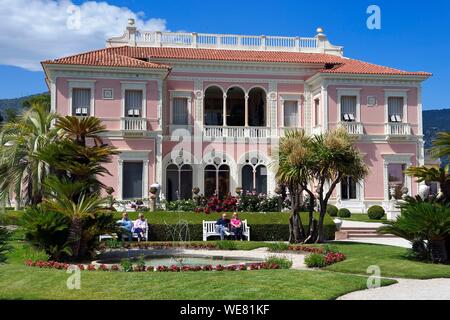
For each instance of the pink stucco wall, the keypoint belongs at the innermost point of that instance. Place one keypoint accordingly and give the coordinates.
(373, 118)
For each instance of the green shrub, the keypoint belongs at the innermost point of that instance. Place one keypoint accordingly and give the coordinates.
(375, 212)
(45, 229)
(126, 265)
(5, 248)
(181, 205)
(332, 210)
(226, 245)
(10, 218)
(344, 213)
(35, 254)
(278, 246)
(282, 262)
(315, 260)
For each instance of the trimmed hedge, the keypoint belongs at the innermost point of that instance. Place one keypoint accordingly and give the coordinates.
(375, 212)
(344, 213)
(332, 210)
(258, 231)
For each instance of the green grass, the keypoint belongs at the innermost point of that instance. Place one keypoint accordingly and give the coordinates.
(391, 260)
(363, 217)
(18, 281)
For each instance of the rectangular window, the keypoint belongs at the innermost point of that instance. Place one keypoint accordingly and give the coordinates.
(395, 109)
(348, 108)
(132, 180)
(396, 178)
(348, 189)
(133, 103)
(290, 114)
(316, 112)
(81, 101)
(180, 111)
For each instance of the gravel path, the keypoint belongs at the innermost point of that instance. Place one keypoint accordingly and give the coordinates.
(405, 289)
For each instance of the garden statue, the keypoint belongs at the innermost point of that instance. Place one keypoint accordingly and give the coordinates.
(158, 190)
(110, 191)
(196, 197)
(153, 196)
(424, 191)
(404, 192)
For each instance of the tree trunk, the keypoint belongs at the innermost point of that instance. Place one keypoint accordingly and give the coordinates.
(320, 231)
(74, 237)
(296, 230)
(438, 251)
(312, 225)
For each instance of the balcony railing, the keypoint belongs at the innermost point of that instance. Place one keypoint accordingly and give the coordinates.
(133, 124)
(397, 129)
(355, 128)
(236, 132)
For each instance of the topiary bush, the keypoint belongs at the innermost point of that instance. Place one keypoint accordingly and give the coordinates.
(376, 212)
(332, 210)
(344, 213)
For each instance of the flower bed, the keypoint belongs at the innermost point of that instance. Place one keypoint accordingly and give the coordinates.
(173, 268)
(320, 260)
(306, 249)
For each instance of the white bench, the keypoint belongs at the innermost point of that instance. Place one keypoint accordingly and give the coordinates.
(134, 235)
(209, 229)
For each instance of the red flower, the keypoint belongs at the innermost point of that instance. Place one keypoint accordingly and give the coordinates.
(219, 267)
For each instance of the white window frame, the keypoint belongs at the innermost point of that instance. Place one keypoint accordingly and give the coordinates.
(134, 86)
(359, 192)
(291, 97)
(349, 92)
(396, 93)
(183, 95)
(134, 156)
(82, 84)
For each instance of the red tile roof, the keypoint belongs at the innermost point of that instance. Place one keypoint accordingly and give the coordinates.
(106, 58)
(131, 57)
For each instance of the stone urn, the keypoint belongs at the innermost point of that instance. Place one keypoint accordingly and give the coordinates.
(153, 190)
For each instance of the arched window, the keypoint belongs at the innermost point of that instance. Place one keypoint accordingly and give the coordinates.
(235, 107)
(254, 176)
(257, 108)
(179, 182)
(217, 180)
(213, 105)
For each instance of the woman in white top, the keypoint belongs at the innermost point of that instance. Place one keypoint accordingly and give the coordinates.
(140, 227)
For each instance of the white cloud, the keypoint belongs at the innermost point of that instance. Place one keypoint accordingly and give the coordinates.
(37, 30)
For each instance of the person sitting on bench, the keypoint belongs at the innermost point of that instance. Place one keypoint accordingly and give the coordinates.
(236, 226)
(222, 226)
(140, 227)
(125, 226)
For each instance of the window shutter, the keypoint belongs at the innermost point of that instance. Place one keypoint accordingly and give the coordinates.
(395, 109)
(348, 108)
(290, 114)
(133, 102)
(180, 111)
(81, 101)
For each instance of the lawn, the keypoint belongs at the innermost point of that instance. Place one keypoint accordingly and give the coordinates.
(391, 260)
(363, 217)
(18, 281)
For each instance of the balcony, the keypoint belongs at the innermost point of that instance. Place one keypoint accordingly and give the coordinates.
(212, 132)
(132, 126)
(353, 128)
(397, 129)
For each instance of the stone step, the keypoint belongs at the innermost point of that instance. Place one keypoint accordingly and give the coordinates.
(370, 235)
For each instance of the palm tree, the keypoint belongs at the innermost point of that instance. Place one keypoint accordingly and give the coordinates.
(440, 175)
(71, 157)
(21, 169)
(335, 158)
(60, 199)
(294, 171)
(320, 161)
(425, 224)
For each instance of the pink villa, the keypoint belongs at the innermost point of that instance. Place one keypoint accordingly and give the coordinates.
(207, 110)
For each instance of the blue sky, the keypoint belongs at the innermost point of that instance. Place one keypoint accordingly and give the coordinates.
(414, 35)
